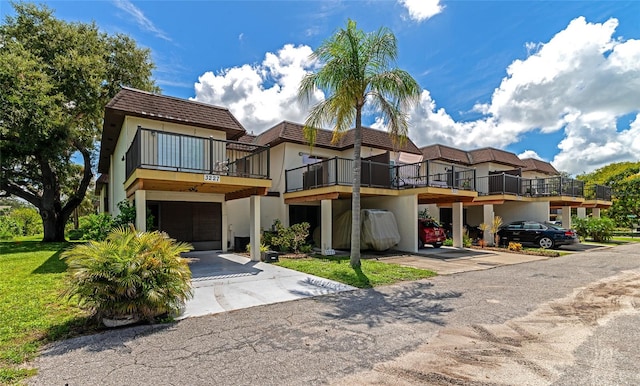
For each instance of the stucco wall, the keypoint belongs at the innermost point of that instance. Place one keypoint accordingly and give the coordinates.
(433, 210)
(405, 211)
(516, 211)
(474, 215)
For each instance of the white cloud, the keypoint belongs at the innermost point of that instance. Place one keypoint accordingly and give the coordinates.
(529, 154)
(420, 10)
(261, 95)
(139, 17)
(581, 82)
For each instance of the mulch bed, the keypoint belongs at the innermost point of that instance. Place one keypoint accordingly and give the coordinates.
(523, 252)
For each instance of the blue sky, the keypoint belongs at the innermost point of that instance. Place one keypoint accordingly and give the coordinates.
(558, 80)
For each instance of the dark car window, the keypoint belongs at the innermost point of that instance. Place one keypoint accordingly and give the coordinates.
(515, 226)
(553, 226)
(532, 226)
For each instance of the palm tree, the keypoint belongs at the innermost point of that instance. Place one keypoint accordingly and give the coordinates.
(357, 68)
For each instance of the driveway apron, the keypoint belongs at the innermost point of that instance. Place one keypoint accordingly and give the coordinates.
(224, 282)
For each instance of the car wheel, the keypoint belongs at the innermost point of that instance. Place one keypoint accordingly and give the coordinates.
(437, 245)
(545, 243)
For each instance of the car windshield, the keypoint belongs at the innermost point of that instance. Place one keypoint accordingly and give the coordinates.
(430, 223)
(553, 226)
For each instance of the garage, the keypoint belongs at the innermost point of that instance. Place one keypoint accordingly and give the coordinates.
(198, 223)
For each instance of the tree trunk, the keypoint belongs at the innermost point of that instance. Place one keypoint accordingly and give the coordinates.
(53, 224)
(355, 199)
(54, 214)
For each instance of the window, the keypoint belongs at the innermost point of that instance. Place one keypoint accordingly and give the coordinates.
(308, 159)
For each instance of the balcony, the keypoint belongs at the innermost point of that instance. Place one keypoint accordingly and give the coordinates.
(339, 171)
(598, 192)
(152, 149)
(169, 161)
(539, 187)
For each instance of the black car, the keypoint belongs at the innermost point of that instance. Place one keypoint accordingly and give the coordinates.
(544, 235)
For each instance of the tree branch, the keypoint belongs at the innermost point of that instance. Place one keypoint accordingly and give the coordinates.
(75, 200)
(15, 190)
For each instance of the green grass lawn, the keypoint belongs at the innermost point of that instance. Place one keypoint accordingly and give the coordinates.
(626, 239)
(371, 274)
(31, 309)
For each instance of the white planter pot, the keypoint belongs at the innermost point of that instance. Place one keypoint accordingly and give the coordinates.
(111, 323)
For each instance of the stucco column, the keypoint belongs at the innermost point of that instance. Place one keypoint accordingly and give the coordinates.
(326, 218)
(595, 213)
(566, 217)
(487, 218)
(285, 218)
(140, 197)
(225, 227)
(457, 224)
(405, 210)
(254, 227)
(582, 212)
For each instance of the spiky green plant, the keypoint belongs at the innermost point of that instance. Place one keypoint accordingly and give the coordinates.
(139, 274)
(495, 227)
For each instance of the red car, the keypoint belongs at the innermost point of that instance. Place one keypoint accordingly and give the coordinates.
(430, 232)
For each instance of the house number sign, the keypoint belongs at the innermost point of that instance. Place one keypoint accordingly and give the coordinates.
(211, 178)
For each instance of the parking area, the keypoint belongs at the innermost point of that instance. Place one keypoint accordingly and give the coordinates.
(225, 282)
(449, 260)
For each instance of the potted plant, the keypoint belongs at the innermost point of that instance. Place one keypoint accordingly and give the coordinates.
(130, 276)
(482, 227)
(495, 227)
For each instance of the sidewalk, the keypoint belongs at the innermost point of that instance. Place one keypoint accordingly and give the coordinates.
(462, 260)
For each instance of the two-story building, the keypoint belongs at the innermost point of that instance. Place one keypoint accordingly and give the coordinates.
(181, 163)
(517, 189)
(193, 171)
(314, 183)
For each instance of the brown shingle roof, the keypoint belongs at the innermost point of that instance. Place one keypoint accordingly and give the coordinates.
(445, 153)
(489, 154)
(137, 103)
(293, 132)
(540, 166)
(102, 180)
(472, 157)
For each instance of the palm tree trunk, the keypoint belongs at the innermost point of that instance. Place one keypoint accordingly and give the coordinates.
(355, 199)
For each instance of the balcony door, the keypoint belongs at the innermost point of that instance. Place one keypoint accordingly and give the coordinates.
(181, 152)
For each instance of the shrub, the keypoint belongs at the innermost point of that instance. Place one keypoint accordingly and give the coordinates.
(9, 228)
(263, 248)
(517, 247)
(96, 226)
(306, 248)
(28, 219)
(127, 214)
(466, 240)
(596, 228)
(130, 274)
(286, 239)
(75, 234)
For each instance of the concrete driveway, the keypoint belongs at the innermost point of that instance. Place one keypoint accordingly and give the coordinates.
(224, 282)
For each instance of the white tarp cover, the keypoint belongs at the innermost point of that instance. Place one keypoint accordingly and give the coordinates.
(379, 230)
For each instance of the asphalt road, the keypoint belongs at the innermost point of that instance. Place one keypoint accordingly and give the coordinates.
(569, 320)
